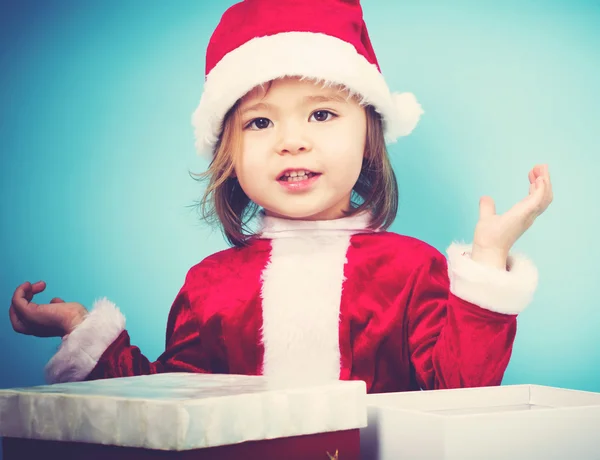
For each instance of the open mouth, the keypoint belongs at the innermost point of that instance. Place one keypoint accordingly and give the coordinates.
(297, 175)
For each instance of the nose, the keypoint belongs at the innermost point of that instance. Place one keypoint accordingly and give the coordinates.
(293, 141)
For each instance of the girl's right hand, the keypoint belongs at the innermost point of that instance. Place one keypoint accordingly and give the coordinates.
(56, 319)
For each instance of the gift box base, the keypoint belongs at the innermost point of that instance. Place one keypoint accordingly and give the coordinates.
(515, 422)
(316, 446)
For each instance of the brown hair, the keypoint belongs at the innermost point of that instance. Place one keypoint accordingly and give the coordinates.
(224, 202)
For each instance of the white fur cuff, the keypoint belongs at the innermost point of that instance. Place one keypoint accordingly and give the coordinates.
(502, 291)
(80, 351)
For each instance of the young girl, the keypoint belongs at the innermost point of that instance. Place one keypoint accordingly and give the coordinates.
(296, 115)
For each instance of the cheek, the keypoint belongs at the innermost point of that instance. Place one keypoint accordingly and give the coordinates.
(356, 151)
(255, 148)
(346, 151)
(250, 168)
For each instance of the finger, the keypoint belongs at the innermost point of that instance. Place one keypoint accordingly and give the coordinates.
(16, 322)
(19, 297)
(548, 194)
(542, 170)
(548, 181)
(24, 294)
(539, 170)
(487, 207)
(35, 288)
(533, 203)
(544, 180)
(39, 286)
(540, 184)
(57, 300)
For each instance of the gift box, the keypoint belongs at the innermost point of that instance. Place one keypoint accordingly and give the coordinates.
(183, 416)
(513, 422)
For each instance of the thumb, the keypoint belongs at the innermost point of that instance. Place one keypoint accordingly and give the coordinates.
(487, 208)
(57, 300)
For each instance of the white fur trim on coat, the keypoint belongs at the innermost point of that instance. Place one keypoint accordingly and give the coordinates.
(301, 292)
(303, 54)
(80, 351)
(276, 227)
(503, 291)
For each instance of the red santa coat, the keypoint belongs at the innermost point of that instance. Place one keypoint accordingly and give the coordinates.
(315, 301)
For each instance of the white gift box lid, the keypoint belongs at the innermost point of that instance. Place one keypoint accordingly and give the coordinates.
(180, 411)
(515, 422)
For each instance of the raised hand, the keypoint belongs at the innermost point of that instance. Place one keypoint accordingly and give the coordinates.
(495, 234)
(56, 319)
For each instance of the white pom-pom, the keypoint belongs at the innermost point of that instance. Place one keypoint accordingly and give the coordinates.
(408, 113)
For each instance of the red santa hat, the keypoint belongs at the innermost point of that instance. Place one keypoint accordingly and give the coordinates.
(326, 40)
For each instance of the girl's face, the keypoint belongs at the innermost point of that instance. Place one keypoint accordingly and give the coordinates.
(302, 149)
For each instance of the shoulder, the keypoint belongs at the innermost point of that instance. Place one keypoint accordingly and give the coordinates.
(400, 249)
(228, 263)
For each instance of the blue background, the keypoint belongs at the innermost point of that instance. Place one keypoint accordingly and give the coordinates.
(96, 145)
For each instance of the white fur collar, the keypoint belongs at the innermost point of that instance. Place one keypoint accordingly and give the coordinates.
(275, 227)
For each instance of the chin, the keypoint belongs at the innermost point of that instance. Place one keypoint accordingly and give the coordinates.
(304, 213)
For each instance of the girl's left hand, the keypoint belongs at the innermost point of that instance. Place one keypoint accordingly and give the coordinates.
(495, 234)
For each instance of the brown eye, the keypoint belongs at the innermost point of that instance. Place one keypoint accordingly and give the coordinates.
(322, 115)
(259, 123)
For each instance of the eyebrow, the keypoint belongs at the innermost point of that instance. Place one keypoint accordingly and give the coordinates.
(307, 100)
(335, 98)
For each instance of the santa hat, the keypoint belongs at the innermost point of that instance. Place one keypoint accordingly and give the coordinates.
(261, 40)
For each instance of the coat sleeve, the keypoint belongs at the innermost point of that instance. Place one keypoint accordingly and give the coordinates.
(100, 346)
(462, 318)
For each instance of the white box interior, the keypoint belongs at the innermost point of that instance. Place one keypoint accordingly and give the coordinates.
(471, 401)
(508, 422)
